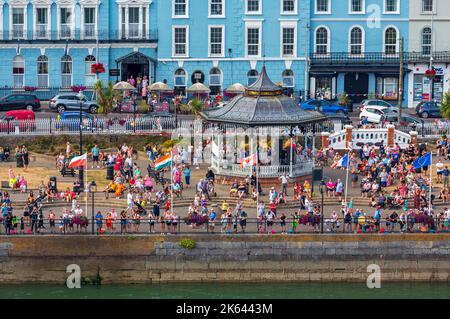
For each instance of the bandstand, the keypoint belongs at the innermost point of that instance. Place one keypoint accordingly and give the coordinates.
(265, 122)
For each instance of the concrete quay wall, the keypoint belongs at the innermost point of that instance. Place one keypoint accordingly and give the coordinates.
(250, 258)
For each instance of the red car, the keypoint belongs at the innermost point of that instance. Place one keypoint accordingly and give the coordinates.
(23, 120)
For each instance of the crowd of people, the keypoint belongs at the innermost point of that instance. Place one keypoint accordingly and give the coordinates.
(396, 193)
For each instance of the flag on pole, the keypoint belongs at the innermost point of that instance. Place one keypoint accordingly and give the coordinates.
(78, 161)
(163, 161)
(249, 161)
(423, 161)
(343, 162)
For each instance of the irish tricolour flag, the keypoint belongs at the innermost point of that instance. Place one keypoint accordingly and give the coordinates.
(163, 161)
(78, 161)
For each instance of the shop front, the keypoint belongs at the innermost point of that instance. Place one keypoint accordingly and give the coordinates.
(425, 87)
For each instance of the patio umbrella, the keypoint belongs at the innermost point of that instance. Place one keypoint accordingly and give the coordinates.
(123, 86)
(159, 87)
(198, 88)
(236, 88)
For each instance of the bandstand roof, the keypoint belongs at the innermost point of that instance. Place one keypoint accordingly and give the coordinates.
(263, 104)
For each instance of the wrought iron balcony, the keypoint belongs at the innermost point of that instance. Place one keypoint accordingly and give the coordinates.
(344, 58)
(40, 35)
(419, 57)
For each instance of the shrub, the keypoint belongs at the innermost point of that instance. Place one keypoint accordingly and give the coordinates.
(445, 107)
(187, 243)
(143, 106)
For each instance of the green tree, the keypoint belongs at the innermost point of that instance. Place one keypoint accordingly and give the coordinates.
(105, 96)
(196, 106)
(445, 108)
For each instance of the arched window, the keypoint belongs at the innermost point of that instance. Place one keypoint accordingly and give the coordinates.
(390, 41)
(252, 76)
(42, 71)
(426, 41)
(356, 41)
(19, 71)
(215, 81)
(180, 78)
(89, 77)
(322, 41)
(66, 71)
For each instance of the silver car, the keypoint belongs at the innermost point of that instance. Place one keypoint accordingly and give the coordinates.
(71, 102)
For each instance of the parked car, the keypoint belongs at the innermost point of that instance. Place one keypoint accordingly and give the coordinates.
(148, 121)
(20, 101)
(23, 119)
(375, 114)
(70, 120)
(429, 109)
(323, 106)
(375, 102)
(406, 120)
(71, 101)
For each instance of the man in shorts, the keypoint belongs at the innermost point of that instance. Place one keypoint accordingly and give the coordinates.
(95, 153)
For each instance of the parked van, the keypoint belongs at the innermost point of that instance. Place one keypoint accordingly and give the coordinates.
(23, 119)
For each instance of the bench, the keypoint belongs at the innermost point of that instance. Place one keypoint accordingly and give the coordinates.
(67, 172)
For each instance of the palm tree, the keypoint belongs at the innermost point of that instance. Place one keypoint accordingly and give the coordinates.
(105, 96)
(196, 106)
(445, 108)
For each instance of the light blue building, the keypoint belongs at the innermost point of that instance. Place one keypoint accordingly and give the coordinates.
(221, 42)
(355, 46)
(53, 43)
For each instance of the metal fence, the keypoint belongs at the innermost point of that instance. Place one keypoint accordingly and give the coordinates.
(235, 225)
(129, 125)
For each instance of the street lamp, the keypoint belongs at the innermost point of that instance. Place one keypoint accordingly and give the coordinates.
(134, 97)
(80, 97)
(321, 188)
(92, 190)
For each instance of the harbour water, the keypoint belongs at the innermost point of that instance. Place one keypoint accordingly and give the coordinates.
(230, 291)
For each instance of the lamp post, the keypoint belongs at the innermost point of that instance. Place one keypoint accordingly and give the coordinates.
(92, 190)
(80, 97)
(291, 153)
(321, 188)
(134, 94)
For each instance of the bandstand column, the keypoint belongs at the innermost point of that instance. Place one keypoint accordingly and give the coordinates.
(275, 146)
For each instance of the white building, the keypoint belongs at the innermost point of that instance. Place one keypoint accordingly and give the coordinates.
(429, 45)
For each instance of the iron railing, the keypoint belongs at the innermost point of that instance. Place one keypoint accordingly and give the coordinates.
(90, 34)
(377, 57)
(303, 224)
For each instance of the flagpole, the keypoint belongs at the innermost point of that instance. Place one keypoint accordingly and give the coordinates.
(257, 180)
(172, 198)
(346, 179)
(86, 186)
(431, 180)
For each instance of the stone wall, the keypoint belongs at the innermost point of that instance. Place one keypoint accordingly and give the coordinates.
(146, 259)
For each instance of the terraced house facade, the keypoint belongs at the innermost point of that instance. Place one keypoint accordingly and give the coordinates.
(311, 47)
